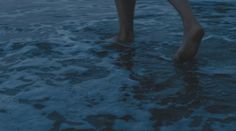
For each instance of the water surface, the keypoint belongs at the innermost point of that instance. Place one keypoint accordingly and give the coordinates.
(59, 71)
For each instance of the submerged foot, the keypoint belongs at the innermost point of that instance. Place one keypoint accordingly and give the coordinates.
(124, 37)
(192, 40)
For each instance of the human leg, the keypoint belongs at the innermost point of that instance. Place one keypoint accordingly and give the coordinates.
(126, 9)
(193, 31)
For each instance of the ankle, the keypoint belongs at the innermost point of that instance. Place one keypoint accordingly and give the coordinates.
(126, 33)
(189, 23)
(193, 26)
(125, 36)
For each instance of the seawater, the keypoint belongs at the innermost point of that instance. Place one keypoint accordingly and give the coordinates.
(59, 71)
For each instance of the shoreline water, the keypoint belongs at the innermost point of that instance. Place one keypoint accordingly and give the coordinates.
(59, 72)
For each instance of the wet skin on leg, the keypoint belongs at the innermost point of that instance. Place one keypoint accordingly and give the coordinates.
(125, 9)
(193, 31)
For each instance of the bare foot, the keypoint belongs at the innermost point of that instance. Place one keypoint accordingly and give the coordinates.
(192, 40)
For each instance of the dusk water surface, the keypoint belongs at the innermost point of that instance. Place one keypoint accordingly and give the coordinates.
(60, 72)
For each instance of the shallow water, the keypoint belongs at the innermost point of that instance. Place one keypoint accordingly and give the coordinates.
(59, 71)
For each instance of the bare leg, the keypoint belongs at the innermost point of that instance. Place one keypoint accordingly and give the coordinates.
(125, 10)
(193, 31)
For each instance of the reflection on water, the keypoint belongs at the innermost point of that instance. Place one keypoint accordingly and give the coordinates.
(59, 71)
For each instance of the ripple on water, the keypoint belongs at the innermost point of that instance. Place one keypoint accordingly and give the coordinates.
(60, 71)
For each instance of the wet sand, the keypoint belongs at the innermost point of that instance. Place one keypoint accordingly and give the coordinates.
(59, 72)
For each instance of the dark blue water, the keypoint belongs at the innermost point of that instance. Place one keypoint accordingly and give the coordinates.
(58, 71)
